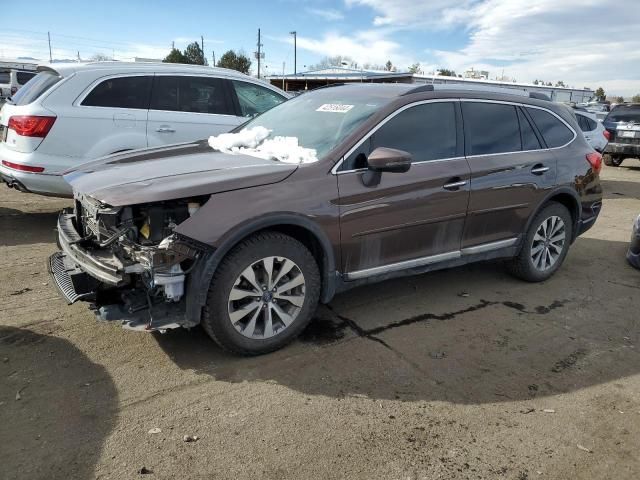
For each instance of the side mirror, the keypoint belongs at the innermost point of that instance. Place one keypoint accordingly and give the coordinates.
(384, 159)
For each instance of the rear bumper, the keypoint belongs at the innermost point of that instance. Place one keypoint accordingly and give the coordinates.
(589, 217)
(622, 149)
(50, 182)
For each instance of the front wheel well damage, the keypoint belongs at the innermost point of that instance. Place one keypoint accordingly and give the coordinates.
(202, 275)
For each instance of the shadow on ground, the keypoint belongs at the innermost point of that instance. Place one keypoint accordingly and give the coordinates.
(508, 340)
(21, 228)
(57, 408)
(617, 189)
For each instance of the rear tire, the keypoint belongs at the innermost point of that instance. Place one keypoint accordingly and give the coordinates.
(612, 161)
(545, 244)
(262, 295)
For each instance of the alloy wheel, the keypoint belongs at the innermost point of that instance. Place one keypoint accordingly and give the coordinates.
(548, 243)
(266, 297)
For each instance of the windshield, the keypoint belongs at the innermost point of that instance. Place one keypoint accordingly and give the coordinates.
(35, 87)
(321, 119)
(624, 113)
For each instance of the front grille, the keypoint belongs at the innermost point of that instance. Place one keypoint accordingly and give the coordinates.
(61, 278)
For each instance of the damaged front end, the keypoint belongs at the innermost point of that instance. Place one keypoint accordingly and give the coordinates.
(127, 261)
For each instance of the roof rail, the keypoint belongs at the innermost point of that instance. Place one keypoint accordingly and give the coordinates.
(476, 88)
(420, 89)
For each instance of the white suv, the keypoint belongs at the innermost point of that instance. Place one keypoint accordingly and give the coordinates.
(71, 113)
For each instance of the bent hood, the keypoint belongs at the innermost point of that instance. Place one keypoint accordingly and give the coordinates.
(171, 172)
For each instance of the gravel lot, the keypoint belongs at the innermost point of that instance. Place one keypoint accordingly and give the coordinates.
(465, 373)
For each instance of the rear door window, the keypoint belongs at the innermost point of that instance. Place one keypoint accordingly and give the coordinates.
(24, 77)
(490, 128)
(35, 88)
(5, 76)
(553, 130)
(191, 94)
(121, 92)
(255, 99)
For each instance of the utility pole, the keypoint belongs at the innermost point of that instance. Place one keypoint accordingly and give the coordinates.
(202, 47)
(213, 53)
(282, 75)
(259, 53)
(50, 56)
(173, 45)
(295, 51)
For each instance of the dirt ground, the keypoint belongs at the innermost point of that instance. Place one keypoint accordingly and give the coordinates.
(465, 373)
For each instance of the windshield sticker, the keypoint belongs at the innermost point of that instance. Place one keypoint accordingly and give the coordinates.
(334, 107)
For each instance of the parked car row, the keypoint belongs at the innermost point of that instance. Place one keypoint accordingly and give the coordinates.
(71, 113)
(623, 125)
(246, 242)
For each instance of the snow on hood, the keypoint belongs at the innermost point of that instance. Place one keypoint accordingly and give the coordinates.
(254, 142)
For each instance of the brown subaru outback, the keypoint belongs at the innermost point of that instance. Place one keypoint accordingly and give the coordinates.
(246, 232)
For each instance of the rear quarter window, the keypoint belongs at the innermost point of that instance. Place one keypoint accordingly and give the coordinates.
(553, 130)
(35, 88)
(5, 77)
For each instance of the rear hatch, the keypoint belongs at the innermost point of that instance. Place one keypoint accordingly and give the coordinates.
(623, 123)
(23, 122)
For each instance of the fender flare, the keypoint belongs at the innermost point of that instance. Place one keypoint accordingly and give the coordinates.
(201, 276)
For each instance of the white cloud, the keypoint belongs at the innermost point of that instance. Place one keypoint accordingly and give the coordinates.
(583, 42)
(369, 46)
(405, 13)
(329, 14)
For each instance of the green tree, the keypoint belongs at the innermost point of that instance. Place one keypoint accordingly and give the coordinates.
(600, 93)
(620, 99)
(235, 61)
(388, 66)
(447, 73)
(175, 56)
(194, 54)
(560, 83)
(636, 98)
(415, 68)
(100, 57)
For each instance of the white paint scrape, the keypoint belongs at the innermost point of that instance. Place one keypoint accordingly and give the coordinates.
(254, 142)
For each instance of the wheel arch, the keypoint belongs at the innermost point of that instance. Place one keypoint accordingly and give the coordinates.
(566, 197)
(303, 229)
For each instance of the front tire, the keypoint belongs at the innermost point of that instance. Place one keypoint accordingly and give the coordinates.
(262, 295)
(545, 244)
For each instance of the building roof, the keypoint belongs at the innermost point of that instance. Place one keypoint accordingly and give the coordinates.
(340, 73)
(492, 82)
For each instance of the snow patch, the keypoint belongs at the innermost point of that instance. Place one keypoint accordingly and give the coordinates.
(254, 142)
(247, 137)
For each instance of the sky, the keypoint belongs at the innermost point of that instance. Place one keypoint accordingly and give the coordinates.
(588, 43)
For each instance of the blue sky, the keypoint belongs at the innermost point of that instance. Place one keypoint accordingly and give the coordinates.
(553, 40)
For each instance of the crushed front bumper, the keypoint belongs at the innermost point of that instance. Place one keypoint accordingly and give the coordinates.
(100, 264)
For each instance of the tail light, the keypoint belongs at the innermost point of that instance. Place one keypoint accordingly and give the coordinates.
(607, 135)
(31, 125)
(23, 168)
(595, 160)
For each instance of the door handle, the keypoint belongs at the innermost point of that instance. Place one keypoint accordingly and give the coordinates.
(455, 184)
(165, 130)
(539, 169)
